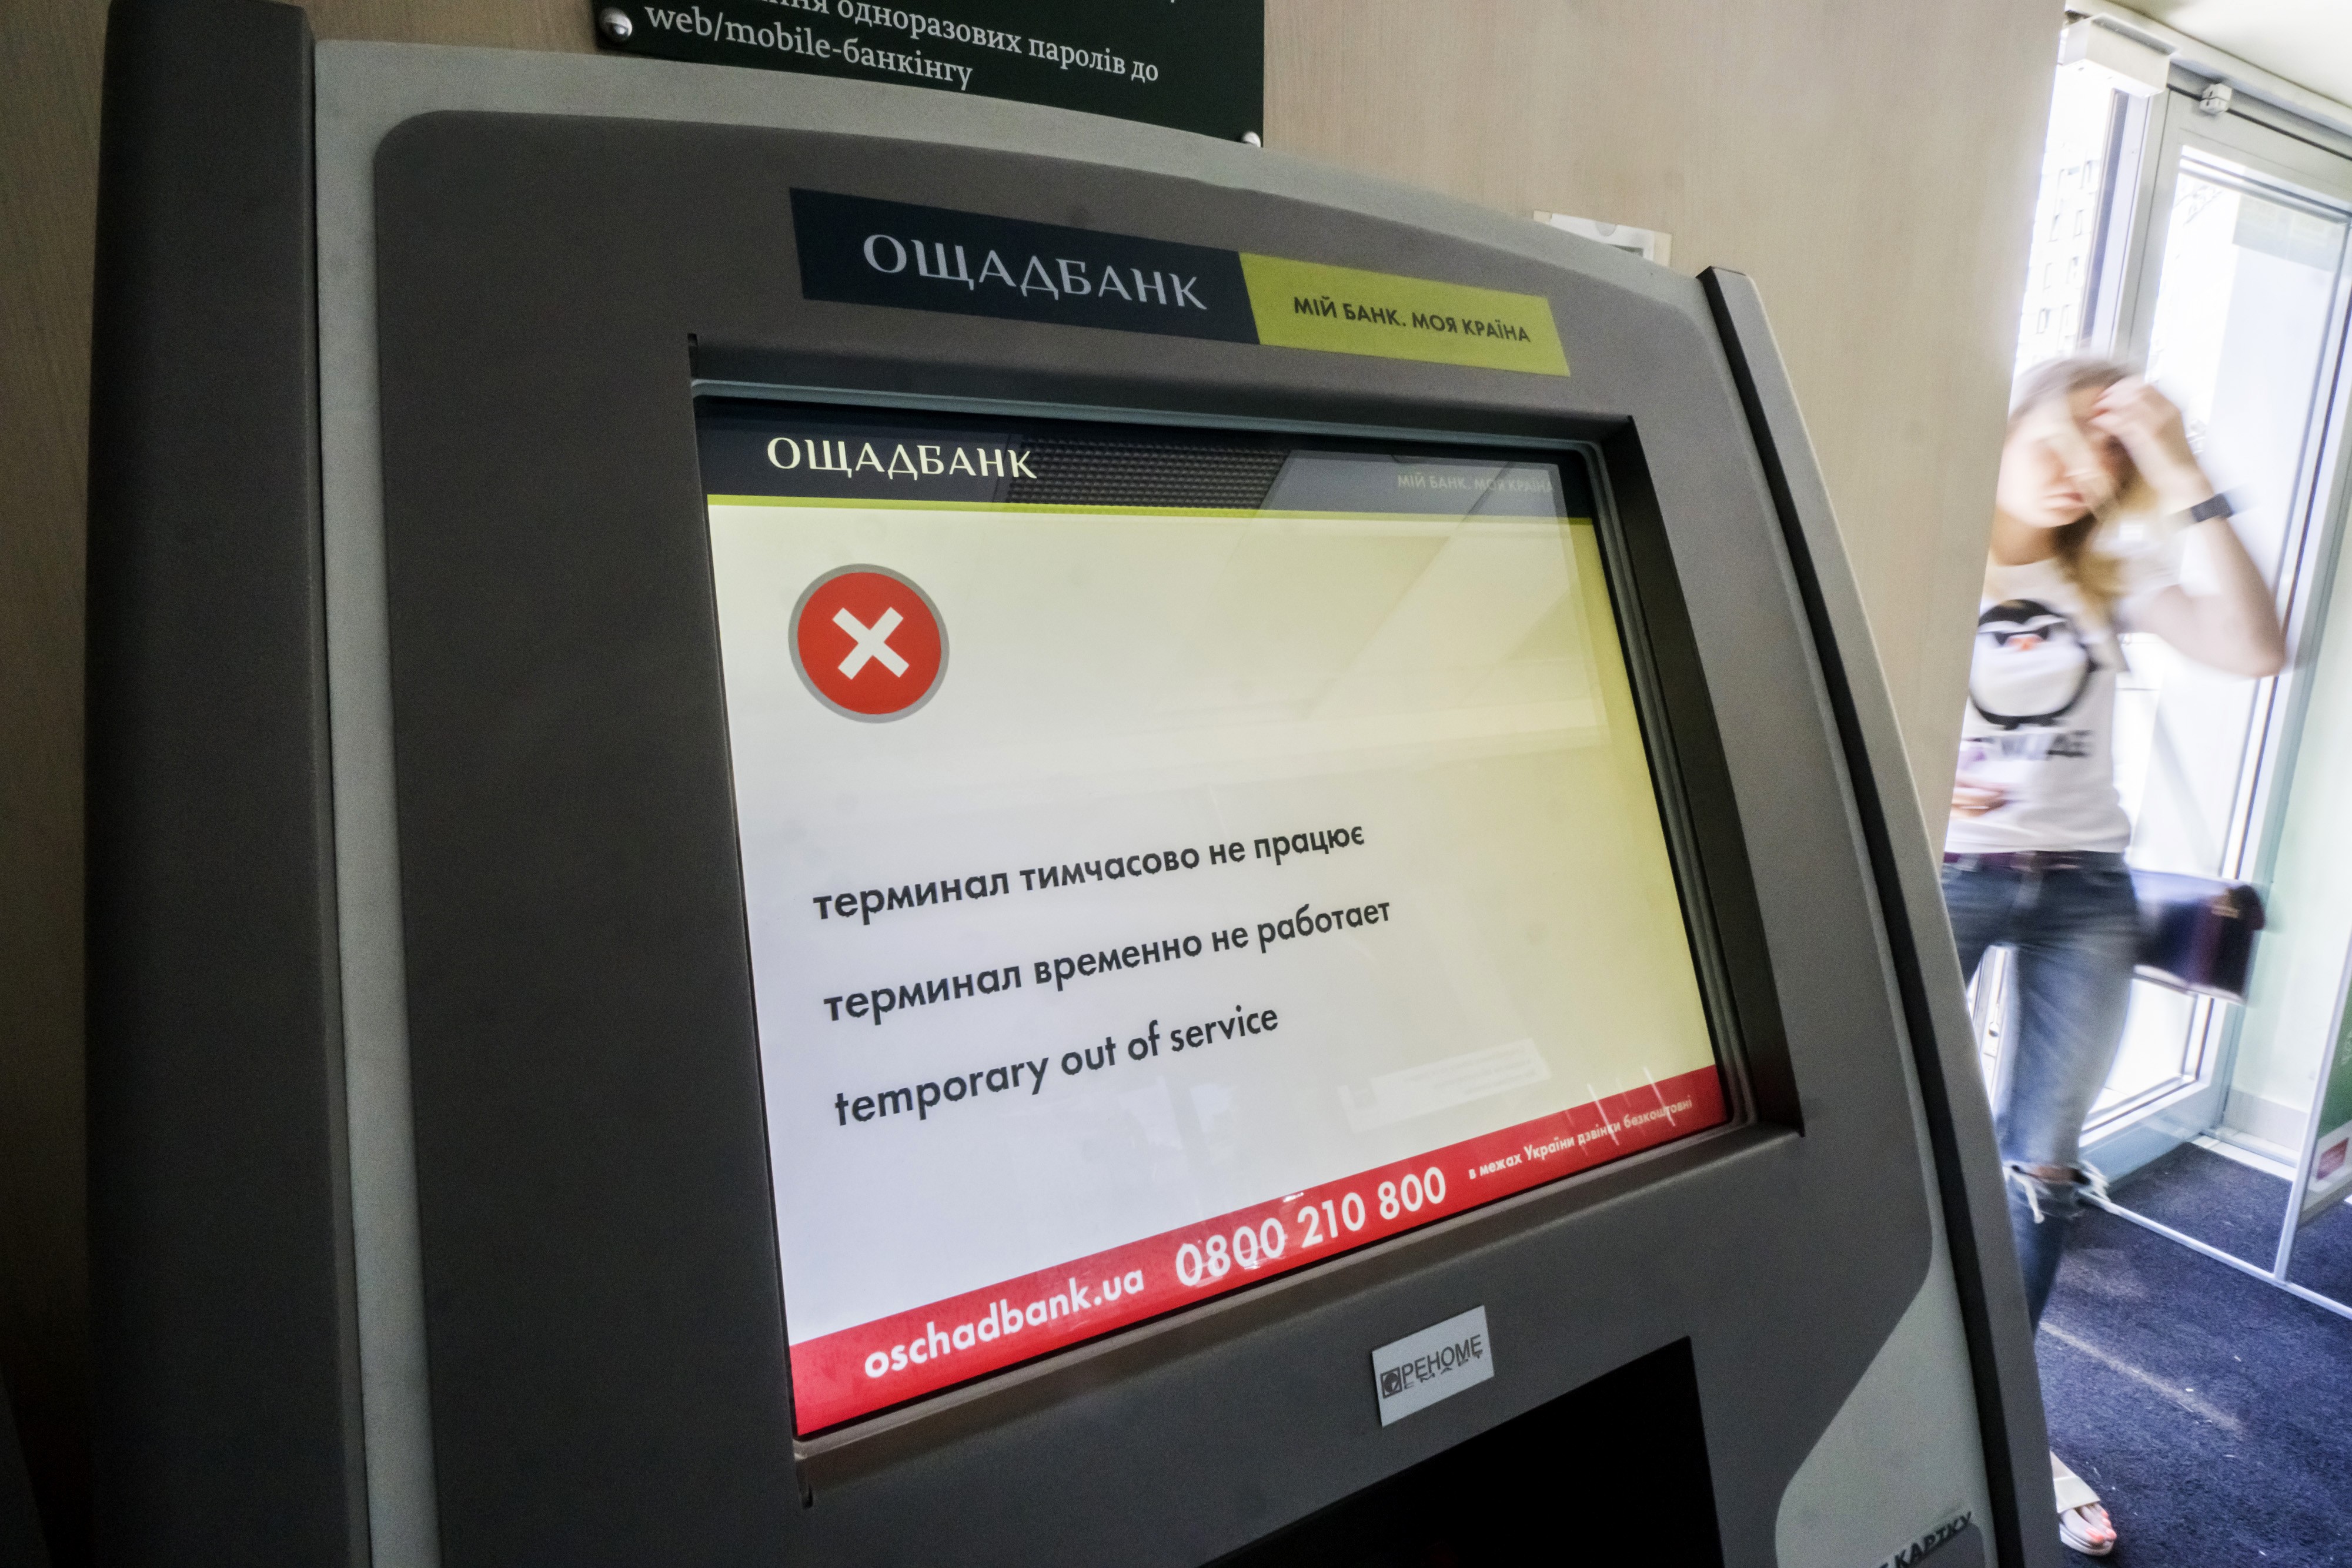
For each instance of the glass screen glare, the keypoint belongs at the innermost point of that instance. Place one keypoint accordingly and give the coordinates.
(1171, 860)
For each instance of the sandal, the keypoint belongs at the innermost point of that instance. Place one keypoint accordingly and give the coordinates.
(2082, 1523)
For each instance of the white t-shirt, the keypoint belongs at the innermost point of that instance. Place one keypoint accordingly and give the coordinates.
(2040, 718)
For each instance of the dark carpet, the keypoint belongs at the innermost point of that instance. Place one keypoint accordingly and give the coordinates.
(2218, 1201)
(2213, 1412)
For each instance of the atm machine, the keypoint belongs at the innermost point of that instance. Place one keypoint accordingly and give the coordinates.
(834, 826)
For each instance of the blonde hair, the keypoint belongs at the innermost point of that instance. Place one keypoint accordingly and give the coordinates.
(2096, 570)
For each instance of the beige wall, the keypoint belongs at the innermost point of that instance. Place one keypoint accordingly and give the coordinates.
(1870, 164)
(1872, 167)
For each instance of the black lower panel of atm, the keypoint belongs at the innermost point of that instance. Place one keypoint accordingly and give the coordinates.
(1614, 1472)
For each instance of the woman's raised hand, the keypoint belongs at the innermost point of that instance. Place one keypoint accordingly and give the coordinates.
(2231, 621)
(2151, 427)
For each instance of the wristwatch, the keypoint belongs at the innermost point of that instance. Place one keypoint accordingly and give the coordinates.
(2216, 505)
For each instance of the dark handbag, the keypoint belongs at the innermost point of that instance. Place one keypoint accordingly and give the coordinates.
(2197, 933)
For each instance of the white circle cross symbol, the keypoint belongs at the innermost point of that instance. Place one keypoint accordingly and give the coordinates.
(868, 643)
(873, 642)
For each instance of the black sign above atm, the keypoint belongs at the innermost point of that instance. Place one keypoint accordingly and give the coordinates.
(1194, 65)
(858, 251)
(864, 252)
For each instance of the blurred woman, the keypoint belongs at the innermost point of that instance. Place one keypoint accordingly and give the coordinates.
(2033, 858)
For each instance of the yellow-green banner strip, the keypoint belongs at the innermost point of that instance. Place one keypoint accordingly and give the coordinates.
(1093, 509)
(1345, 310)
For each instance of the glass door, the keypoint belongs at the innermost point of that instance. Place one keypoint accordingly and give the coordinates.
(2238, 311)
(2219, 253)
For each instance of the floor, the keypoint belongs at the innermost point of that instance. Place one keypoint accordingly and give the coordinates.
(2213, 1411)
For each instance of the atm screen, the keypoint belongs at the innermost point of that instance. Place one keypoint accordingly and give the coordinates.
(1171, 858)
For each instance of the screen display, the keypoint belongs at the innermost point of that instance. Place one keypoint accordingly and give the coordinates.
(1171, 859)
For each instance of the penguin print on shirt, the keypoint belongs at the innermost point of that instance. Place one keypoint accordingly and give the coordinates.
(2040, 721)
(2031, 666)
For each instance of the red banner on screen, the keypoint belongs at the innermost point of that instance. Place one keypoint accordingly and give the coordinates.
(850, 1373)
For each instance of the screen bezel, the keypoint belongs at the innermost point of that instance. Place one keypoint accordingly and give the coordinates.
(875, 1435)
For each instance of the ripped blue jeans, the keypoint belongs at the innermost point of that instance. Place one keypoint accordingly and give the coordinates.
(2074, 924)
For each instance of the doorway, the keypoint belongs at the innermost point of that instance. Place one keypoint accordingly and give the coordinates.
(2215, 249)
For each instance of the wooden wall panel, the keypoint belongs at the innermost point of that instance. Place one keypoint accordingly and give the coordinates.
(1871, 165)
(48, 167)
(550, 24)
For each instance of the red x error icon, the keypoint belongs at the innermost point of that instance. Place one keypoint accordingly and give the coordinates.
(868, 643)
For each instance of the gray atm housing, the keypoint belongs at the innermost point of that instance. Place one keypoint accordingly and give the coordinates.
(430, 1187)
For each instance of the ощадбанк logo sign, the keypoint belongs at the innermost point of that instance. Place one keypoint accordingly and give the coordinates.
(868, 643)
